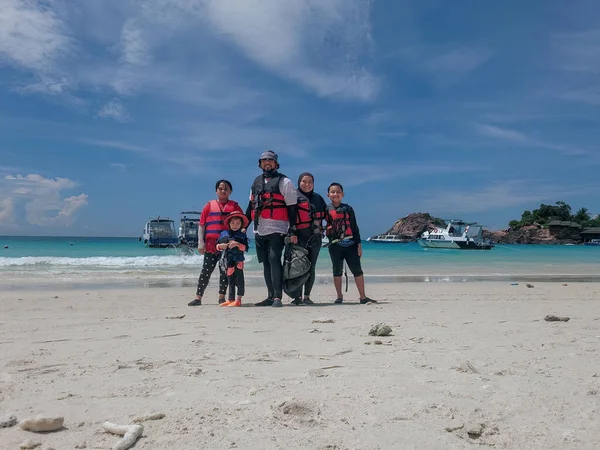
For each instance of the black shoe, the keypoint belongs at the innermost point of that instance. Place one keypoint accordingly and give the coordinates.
(222, 300)
(308, 301)
(265, 302)
(195, 302)
(296, 302)
(339, 300)
(366, 300)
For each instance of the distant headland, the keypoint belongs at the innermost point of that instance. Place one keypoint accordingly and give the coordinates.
(548, 224)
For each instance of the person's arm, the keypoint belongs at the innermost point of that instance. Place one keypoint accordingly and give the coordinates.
(354, 225)
(290, 196)
(223, 241)
(321, 209)
(249, 208)
(201, 228)
(249, 212)
(244, 244)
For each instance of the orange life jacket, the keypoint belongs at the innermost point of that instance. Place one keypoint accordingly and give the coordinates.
(307, 214)
(338, 222)
(268, 200)
(214, 222)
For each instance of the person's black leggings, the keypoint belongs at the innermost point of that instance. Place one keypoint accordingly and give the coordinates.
(339, 254)
(313, 243)
(236, 280)
(208, 267)
(269, 249)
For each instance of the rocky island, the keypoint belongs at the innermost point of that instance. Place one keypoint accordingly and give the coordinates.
(549, 224)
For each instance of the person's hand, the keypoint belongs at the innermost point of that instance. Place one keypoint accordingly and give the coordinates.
(294, 239)
(359, 250)
(201, 250)
(233, 244)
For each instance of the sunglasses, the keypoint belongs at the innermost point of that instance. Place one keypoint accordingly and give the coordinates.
(267, 159)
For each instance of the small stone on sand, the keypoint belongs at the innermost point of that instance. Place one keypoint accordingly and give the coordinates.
(381, 329)
(7, 421)
(474, 430)
(29, 443)
(323, 321)
(551, 318)
(41, 424)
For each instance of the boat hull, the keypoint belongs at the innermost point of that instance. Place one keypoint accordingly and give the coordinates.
(454, 245)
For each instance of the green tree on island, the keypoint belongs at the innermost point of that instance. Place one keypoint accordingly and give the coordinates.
(559, 211)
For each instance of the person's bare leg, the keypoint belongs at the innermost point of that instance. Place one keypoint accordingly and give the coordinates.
(337, 282)
(360, 285)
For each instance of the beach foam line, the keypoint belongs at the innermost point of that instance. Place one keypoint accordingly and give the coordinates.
(108, 261)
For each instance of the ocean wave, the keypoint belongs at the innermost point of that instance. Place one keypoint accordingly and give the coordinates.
(108, 261)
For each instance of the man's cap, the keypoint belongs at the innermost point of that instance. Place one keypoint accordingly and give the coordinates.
(269, 154)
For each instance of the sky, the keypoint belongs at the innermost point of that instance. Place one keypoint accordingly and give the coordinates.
(113, 111)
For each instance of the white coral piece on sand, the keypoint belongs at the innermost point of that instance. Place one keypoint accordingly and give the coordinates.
(130, 434)
(41, 424)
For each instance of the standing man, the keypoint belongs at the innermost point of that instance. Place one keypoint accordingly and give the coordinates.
(272, 208)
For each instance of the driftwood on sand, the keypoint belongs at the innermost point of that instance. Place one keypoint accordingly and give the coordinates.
(130, 434)
(145, 417)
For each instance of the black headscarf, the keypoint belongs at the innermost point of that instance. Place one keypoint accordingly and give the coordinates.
(302, 175)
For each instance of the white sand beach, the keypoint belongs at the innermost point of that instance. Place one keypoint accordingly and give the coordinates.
(475, 357)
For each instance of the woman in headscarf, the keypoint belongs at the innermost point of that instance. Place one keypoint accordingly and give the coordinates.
(309, 228)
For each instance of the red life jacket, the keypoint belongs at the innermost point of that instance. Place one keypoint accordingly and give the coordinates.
(268, 200)
(214, 222)
(338, 222)
(307, 214)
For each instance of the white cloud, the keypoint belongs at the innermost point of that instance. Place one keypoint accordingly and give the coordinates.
(357, 174)
(32, 34)
(321, 45)
(516, 137)
(119, 166)
(42, 199)
(114, 110)
(458, 60)
(317, 43)
(497, 196)
(7, 210)
(135, 48)
(115, 144)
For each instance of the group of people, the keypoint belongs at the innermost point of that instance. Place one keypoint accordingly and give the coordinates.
(281, 214)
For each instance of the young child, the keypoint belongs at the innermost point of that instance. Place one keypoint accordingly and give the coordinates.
(234, 242)
(344, 242)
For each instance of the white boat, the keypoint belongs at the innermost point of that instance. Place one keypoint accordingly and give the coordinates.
(456, 235)
(387, 239)
(593, 242)
(160, 232)
(188, 228)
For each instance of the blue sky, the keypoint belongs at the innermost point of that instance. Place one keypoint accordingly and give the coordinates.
(116, 110)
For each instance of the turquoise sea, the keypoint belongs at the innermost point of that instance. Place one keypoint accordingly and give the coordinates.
(33, 261)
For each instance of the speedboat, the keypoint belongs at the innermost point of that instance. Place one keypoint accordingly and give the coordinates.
(188, 228)
(593, 242)
(160, 233)
(387, 239)
(456, 235)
